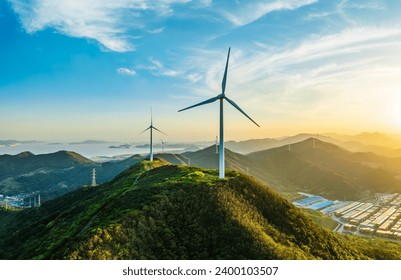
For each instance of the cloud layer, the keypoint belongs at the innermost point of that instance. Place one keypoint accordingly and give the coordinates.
(126, 71)
(245, 12)
(113, 23)
(107, 22)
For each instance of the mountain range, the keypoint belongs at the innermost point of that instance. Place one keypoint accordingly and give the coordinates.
(162, 211)
(329, 170)
(155, 210)
(379, 143)
(311, 165)
(54, 174)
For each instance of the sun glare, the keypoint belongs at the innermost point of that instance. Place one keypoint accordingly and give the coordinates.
(395, 109)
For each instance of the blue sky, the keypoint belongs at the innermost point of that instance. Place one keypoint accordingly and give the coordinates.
(91, 69)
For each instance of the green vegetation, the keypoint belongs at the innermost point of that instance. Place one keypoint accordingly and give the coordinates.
(3, 209)
(292, 196)
(160, 211)
(375, 248)
(321, 219)
(53, 174)
(331, 171)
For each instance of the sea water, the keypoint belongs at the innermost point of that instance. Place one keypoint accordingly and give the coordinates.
(92, 150)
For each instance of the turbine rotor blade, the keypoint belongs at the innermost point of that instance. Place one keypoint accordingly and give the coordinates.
(239, 109)
(143, 131)
(159, 130)
(202, 103)
(223, 84)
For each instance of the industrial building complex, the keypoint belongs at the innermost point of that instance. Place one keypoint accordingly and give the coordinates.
(379, 219)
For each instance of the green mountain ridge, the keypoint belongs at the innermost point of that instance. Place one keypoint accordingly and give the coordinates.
(53, 174)
(26, 162)
(324, 169)
(332, 171)
(162, 211)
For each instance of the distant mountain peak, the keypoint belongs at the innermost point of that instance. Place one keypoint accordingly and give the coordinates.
(25, 154)
(72, 155)
(373, 135)
(376, 138)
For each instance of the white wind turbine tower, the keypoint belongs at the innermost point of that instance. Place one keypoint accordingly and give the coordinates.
(217, 145)
(222, 96)
(151, 127)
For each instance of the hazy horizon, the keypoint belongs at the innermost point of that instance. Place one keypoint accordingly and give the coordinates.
(171, 140)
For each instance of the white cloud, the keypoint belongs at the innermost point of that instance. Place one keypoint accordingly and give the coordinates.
(205, 2)
(320, 15)
(363, 5)
(105, 21)
(126, 71)
(343, 47)
(111, 23)
(156, 68)
(156, 31)
(156, 64)
(194, 77)
(351, 69)
(170, 73)
(242, 14)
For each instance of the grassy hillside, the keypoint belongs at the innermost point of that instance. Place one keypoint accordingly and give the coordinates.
(375, 248)
(321, 219)
(161, 211)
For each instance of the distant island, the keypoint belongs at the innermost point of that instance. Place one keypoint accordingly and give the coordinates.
(89, 142)
(122, 146)
(10, 143)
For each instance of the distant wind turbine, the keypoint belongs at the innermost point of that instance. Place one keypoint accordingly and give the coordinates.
(222, 97)
(151, 127)
(314, 140)
(188, 159)
(162, 145)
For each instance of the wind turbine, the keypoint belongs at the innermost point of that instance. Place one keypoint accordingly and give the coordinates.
(188, 159)
(151, 127)
(162, 145)
(222, 96)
